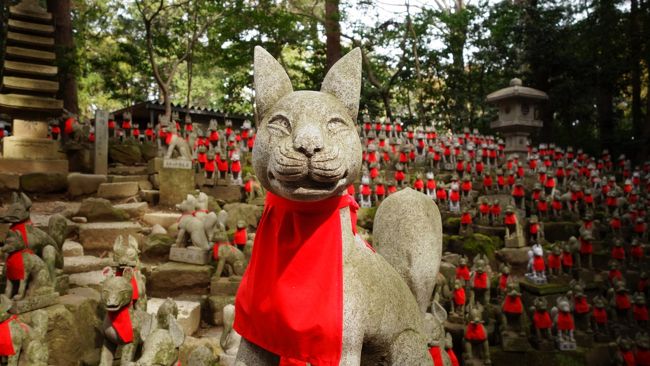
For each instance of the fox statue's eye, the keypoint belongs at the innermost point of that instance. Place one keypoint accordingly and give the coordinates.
(281, 124)
(335, 125)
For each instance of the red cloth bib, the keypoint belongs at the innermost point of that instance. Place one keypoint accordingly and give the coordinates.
(240, 236)
(542, 320)
(459, 296)
(475, 332)
(15, 266)
(290, 301)
(581, 306)
(642, 357)
(480, 280)
(6, 346)
(466, 219)
(565, 321)
(462, 272)
(503, 281)
(600, 315)
(452, 357)
(538, 263)
(622, 301)
(67, 126)
(553, 261)
(567, 259)
(436, 356)
(121, 322)
(21, 227)
(512, 305)
(628, 358)
(640, 312)
(510, 219)
(618, 253)
(236, 167)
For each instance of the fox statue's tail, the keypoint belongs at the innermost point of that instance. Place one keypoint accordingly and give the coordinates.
(408, 234)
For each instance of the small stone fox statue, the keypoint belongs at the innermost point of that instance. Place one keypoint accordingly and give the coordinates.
(18, 215)
(123, 322)
(31, 273)
(21, 344)
(162, 337)
(306, 153)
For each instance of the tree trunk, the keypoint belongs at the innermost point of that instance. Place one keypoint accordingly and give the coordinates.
(61, 13)
(332, 32)
(167, 100)
(385, 96)
(635, 64)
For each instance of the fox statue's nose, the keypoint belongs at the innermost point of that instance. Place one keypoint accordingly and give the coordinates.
(308, 140)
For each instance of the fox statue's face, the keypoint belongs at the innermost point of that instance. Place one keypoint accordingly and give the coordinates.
(307, 147)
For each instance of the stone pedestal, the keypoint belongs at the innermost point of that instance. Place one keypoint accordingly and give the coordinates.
(33, 303)
(176, 181)
(225, 285)
(190, 255)
(30, 151)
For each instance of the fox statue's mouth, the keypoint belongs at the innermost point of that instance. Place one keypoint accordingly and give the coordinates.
(306, 187)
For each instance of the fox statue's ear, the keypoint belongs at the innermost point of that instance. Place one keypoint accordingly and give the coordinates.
(343, 81)
(271, 81)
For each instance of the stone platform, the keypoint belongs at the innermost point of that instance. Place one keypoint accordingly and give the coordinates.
(22, 166)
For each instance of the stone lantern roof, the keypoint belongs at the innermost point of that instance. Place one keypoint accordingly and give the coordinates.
(516, 90)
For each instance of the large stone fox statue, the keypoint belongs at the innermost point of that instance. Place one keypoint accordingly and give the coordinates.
(314, 291)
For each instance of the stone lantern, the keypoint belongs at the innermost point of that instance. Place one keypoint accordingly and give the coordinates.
(519, 115)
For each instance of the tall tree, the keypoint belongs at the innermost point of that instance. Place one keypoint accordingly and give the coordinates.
(67, 61)
(332, 31)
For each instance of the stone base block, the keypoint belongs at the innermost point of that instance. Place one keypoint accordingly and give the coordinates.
(566, 346)
(190, 255)
(515, 241)
(176, 279)
(30, 129)
(33, 303)
(226, 193)
(20, 166)
(9, 182)
(225, 285)
(189, 313)
(118, 190)
(217, 302)
(29, 148)
(99, 236)
(164, 219)
(175, 185)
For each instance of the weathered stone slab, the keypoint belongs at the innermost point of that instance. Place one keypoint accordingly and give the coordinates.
(9, 182)
(175, 279)
(118, 190)
(189, 313)
(87, 279)
(216, 303)
(164, 219)
(86, 263)
(127, 170)
(135, 210)
(228, 193)
(177, 164)
(30, 129)
(150, 196)
(8, 165)
(189, 255)
(101, 210)
(100, 236)
(72, 249)
(225, 285)
(154, 165)
(250, 214)
(44, 182)
(80, 184)
(28, 148)
(127, 178)
(175, 185)
(32, 303)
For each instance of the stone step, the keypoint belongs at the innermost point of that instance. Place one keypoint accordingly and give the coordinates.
(127, 170)
(135, 209)
(20, 166)
(17, 101)
(118, 190)
(34, 85)
(164, 219)
(30, 12)
(152, 196)
(30, 39)
(31, 69)
(29, 53)
(127, 178)
(86, 263)
(176, 279)
(72, 249)
(98, 237)
(92, 279)
(30, 26)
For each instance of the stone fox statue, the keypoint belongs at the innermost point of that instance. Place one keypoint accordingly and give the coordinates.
(314, 291)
